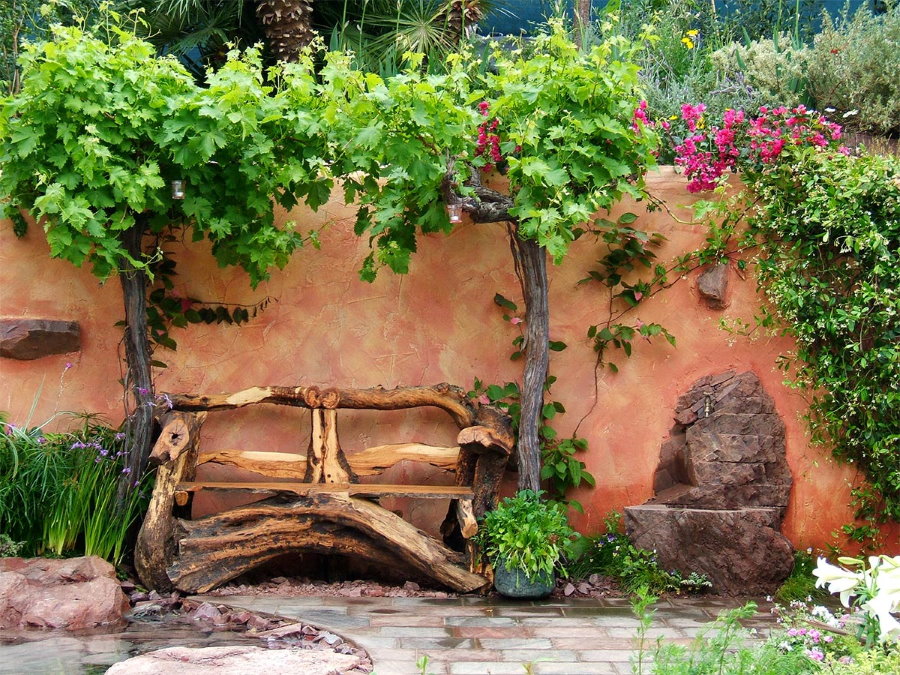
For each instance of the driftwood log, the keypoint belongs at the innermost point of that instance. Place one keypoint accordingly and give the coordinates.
(314, 502)
(218, 548)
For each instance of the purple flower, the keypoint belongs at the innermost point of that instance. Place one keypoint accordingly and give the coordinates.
(41, 440)
(126, 470)
(120, 436)
(69, 364)
(815, 654)
(143, 391)
(9, 428)
(77, 445)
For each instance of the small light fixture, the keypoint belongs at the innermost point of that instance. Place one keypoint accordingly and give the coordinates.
(177, 189)
(454, 211)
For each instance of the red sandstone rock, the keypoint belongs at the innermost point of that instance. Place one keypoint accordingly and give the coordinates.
(69, 594)
(236, 661)
(27, 339)
(713, 286)
(740, 550)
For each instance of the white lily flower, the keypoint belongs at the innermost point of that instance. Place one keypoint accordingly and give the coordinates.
(837, 579)
(882, 606)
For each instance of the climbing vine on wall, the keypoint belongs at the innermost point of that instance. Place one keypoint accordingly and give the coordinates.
(827, 230)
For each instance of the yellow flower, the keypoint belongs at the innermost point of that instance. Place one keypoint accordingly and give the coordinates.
(687, 42)
(693, 33)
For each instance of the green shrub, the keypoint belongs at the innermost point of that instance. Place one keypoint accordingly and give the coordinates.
(801, 584)
(881, 661)
(720, 649)
(855, 66)
(527, 534)
(614, 555)
(8, 547)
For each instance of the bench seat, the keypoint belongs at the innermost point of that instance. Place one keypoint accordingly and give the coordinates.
(372, 490)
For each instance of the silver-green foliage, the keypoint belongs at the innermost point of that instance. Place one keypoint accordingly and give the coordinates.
(855, 66)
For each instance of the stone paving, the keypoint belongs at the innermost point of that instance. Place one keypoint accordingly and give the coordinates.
(481, 636)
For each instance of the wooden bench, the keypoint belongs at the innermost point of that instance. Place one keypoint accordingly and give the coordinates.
(315, 502)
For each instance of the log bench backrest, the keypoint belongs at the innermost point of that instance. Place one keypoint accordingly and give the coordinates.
(485, 441)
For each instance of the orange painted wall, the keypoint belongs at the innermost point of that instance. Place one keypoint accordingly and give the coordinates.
(438, 323)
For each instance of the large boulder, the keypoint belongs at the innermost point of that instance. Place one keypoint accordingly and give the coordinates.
(740, 550)
(237, 661)
(68, 594)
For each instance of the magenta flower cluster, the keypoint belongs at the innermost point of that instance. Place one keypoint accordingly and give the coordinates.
(740, 140)
(488, 141)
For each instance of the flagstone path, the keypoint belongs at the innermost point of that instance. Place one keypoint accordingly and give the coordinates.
(479, 636)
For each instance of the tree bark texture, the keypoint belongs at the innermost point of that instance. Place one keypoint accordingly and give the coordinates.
(139, 398)
(531, 263)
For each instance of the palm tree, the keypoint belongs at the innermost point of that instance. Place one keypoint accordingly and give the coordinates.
(287, 25)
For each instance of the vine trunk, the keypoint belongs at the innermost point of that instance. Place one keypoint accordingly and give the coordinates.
(138, 382)
(531, 264)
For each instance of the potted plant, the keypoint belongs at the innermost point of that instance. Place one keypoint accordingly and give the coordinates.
(526, 540)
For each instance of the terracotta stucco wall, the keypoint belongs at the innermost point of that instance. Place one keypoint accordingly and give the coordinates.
(438, 323)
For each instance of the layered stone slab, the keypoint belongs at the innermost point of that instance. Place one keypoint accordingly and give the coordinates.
(28, 339)
(740, 550)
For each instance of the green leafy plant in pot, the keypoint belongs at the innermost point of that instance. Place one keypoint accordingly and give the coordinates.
(526, 540)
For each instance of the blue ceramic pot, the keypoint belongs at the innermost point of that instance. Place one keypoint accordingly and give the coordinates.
(515, 584)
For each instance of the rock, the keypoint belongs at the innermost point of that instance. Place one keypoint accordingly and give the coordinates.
(147, 608)
(241, 617)
(722, 486)
(740, 550)
(584, 588)
(411, 586)
(236, 661)
(731, 454)
(329, 638)
(69, 594)
(713, 286)
(207, 612)
(568, 590)
(259, 623)
(27, 339)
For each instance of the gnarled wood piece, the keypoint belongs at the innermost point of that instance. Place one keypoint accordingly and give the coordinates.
(447, 397)
(178, 430)
(217, 548)
(465, 516)
(155, 546)
(325, 461)
(369, 462)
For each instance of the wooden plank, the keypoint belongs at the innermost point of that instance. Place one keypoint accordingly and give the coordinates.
(369, 462)
(351, 489)
(373, 461)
